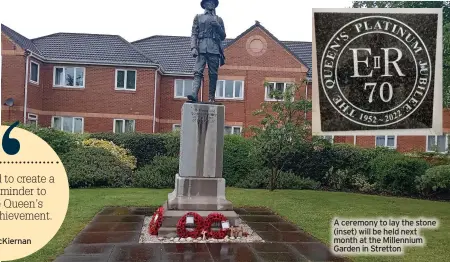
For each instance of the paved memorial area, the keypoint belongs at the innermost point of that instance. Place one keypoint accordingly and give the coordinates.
(113, 235)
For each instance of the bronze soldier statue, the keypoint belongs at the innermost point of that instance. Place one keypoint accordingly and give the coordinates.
(208, 32)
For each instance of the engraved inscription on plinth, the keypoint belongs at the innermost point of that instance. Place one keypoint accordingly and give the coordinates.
(201, 149)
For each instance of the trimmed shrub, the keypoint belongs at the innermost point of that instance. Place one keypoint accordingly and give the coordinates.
(121, 153)
(95, 167)
(171, 143)
(396, 174)
(436, 181)
(159, 174)
(254, 179)
(61, 142)
(238, 160)
(142, 146)
(286, 180)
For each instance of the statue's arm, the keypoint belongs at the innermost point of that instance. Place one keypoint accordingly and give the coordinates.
(194, 34)
(221, 30)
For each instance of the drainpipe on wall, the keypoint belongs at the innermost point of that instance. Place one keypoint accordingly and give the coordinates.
(27, 55)
(154, 100)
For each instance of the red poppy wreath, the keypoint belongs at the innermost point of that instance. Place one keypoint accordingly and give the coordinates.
(156, 221)
(181, 226)
(214, 218)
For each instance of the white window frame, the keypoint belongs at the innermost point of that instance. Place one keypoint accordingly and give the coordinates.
(64, 74)
(232, 129)
(73, 122)
(123, 126)
(184, 87)
(385, 142)
(124, 88)
(33, 117)
(174, 126)
(447, 137)
(38, 72)
(266, 91)
(234, 89)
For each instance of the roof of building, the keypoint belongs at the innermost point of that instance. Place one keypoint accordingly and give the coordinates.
(172, 53)
(19, 39)
(81, 47)
(89, 47)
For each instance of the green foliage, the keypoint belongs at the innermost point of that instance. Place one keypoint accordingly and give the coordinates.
(142, 146)
(283, 127)
(436, 181)
(159, 174)
(171, 143)
(95, 167)
(121, 153)
(238, 160)
(445, 5)
(61, 142)
(287, 180)
(396, 174)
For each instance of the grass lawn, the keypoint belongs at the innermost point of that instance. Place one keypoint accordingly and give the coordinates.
(311, 210)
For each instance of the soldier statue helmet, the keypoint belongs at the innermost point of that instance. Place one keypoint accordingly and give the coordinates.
(208, 32)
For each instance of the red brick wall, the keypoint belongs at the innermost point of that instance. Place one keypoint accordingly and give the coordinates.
(411, 143)
(100, 96)
(12, 80)
(365, 141)
(34, 96)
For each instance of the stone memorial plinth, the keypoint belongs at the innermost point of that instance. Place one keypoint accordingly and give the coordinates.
(199, 186)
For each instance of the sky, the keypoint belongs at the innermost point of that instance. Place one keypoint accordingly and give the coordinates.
(288, 20)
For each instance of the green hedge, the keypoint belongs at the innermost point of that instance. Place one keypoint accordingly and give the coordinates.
(159, 174)
(396, 174)
(238, 161)
(143, 146)
(286, 180)
(95, 167)
(435, 182)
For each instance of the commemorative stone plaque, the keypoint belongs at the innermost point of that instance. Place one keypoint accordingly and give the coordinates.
(377, 69)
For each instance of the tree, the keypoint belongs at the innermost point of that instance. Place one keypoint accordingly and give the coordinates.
(282, 130)
(445, 5)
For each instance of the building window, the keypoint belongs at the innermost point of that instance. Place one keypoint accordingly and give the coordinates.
(68, 124)
(33, 120)
(233, 130)
(176, 127)
(124, 125)
(437, 144)
(386, 141)
(68, 77)
(230, 89)
(271, 87)
(125, 79)
(328, 138)
(183, 87)
(34, 73)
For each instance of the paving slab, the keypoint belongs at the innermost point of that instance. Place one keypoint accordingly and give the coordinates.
(107, 237)
(113, 235)
(113, 226)
(137, 253)
(89, 249)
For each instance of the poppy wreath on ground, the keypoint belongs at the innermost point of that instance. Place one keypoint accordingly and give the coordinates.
(210, 220)
(156, 221)
(181, 226)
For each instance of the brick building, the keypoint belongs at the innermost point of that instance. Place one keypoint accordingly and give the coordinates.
(103, 83)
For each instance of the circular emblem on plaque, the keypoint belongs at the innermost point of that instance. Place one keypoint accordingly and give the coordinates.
(376, 71)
